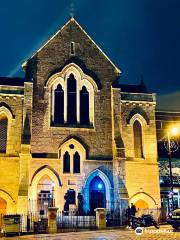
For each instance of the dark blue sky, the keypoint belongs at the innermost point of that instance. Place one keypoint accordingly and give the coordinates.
(139, 36)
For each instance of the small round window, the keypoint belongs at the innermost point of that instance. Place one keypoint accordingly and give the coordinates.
(71, 146)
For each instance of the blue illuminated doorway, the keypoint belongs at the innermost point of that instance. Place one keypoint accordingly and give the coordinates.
(97, 194)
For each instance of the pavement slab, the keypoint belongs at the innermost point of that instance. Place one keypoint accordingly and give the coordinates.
(164, 233)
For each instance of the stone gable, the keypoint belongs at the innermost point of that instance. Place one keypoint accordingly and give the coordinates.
(52, 58)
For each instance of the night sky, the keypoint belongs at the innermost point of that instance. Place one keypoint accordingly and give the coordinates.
(139, 36)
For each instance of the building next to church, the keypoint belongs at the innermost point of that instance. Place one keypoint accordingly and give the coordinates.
(164, 121)
(70, 128)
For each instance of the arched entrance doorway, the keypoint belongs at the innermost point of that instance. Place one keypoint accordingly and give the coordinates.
(3, 206)
(45, 185)
(141, 204)
(97, 194)
(97, 185)
(45, 191)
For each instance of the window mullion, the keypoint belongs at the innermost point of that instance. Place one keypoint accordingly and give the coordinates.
(71, 162)
(78, 102)
(65, 102)
(52, 105)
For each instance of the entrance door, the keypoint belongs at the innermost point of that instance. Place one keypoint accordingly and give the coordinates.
(3, 205)
(97, 194)
(45, 196)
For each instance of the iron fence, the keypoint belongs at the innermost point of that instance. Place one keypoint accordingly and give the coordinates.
(72, 221)
(37, 222)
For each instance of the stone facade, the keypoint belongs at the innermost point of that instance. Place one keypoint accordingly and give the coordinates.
(36, 147)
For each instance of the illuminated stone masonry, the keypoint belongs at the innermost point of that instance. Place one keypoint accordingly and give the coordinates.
(71, 136)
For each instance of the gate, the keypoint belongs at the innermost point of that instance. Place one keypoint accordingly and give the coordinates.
(66, 221)
(113, 218)
(72, 221)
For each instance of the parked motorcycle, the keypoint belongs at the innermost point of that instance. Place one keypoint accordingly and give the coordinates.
(146, 220)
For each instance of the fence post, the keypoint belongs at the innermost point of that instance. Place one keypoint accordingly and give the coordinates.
(52, 219)
(100, 218)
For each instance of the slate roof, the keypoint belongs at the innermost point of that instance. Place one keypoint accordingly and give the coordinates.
(167, 116)
(131, 88)
(12, 81)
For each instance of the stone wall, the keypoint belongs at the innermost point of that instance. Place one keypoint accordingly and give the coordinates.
(15, 104)
(50, 59)
(141, 174)
(9, 161)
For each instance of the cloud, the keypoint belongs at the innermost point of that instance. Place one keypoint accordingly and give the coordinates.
(169, 101)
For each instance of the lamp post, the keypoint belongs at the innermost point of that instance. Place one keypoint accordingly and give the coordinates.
(52, 194)
(171, 132)
(170, 169)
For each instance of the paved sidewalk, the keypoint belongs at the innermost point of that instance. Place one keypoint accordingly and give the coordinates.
(164, 233)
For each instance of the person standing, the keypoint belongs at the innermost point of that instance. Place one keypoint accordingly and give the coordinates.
(133, 210)
(128, 216)
(132, 213)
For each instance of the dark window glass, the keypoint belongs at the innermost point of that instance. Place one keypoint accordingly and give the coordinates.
(66, 163)
(3, 133)
(71, 100)
(71, 196)
(59, 105)
(76, 163)
(71, 146)
(84, 106)
(72, 48)
(138, 147)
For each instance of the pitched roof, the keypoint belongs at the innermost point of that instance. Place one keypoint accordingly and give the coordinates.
(8, 81)
(130, 88)
(71, 21)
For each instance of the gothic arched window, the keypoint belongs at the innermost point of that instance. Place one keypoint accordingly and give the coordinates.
(66, 163)
(76, 163)
(71, 100)
(138, 146)
(3, 133)
(84, 106)
(59, 105)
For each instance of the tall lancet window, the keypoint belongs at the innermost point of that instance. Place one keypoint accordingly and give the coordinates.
(59, 105)
(3, 133)
(84, 106)
(76, 163)
(138, 146)
(71, 100)
(66, 163)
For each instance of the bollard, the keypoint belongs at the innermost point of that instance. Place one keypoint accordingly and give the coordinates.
(100, 218)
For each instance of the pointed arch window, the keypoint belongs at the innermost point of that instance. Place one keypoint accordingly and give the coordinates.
(3, 133)
(71, 93)
(71, 100)
(76, 163)
(59, 105)
(84, 106)
(138, 146)
(66, 163)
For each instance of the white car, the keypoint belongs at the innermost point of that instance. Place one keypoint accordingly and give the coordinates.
(174, 218)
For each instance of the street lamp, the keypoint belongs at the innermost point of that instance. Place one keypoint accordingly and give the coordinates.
(52, 184)
(172, 132)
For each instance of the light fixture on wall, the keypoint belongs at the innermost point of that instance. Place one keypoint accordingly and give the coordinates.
(100, 186)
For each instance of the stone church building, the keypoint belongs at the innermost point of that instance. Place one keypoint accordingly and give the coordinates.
(69, 128)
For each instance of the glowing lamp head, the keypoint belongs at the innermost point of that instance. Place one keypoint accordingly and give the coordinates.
(161, 181)
(52, 184)
(100, 186)
(174, 131)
